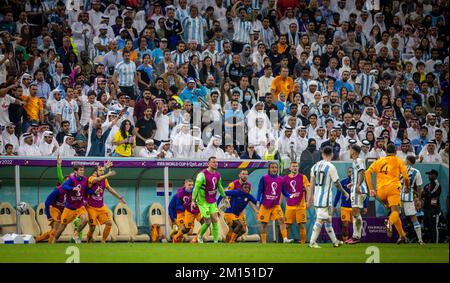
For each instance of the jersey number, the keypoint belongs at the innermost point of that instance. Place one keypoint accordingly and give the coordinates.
(319, 181)
(384, 169)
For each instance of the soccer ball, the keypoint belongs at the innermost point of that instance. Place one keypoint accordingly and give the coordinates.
(22, 207)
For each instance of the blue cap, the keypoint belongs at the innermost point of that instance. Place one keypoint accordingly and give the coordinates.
(190, 80)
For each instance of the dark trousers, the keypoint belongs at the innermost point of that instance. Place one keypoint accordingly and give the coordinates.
(431, 220)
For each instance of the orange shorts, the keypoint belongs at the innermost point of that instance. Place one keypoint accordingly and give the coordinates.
(230, 218)
(389, 196)
(273, 213)
(98, 215)
(296, 213)
(242, 218)
(189, 219)
(55, 214)
(68, 215)
(346, 214)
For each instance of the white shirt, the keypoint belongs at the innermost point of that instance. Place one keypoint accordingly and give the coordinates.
(431, 158)
(144, 152)
(29, 150)
(68, 110)
(265, 85)
(86, 109)
(162, 131)
(4, 106)
(325, 174)
(11, 139)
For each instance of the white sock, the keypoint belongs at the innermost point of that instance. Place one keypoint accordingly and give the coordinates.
(316, 231)
(418, 230)
(357, 225)
(330, 232)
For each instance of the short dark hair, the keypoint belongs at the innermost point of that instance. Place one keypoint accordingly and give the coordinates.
(390, 148)
(356, 148)
(211, 158)
(327, 151)
(411, 159)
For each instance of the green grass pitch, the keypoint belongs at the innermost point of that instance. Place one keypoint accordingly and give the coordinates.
(240, 252)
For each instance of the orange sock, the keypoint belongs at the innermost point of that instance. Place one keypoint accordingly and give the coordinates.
(43, 237)
(106, 232)
(394, 218)
(284, 233)
(228, 237)
(263, 238)
(51, 238)
(233, 237)
(177, 236)
(89, 236)
(302, 235)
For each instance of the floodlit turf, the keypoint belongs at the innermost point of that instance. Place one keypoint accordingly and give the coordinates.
(241, 252)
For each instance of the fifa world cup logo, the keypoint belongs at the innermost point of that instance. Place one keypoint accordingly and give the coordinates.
(293, 183)
(274, 188)
(214, 182)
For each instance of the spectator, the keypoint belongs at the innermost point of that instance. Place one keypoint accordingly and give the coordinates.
(429, 154)
(149, 150)
(250, 153)
(124, 140)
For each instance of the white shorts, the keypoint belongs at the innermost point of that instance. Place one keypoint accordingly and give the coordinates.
(409, 208)
(324, 213)
(358, 200)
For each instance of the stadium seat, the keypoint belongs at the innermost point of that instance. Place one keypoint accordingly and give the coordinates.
(124, 220)
(113, 235)
(67, 234)
(7, 218)
(41, 218)
(156, 216)
(28, 224)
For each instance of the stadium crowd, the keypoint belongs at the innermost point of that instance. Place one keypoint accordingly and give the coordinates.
(251, 79)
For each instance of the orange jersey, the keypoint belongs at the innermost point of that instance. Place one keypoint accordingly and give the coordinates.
(285, 86)
(389, 170)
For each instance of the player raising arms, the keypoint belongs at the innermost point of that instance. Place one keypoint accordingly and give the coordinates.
(75, 188)
(323, 176)
(239, 200)
(54, 205)
(96, 208)
(388, 172)
(269, 192)
(296, 182)
(409, 199)
(207, 183)
(358, 194)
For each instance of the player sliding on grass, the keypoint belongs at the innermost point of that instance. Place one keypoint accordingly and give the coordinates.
(75, 188)
(323, 176)
(184, 217)
(97, 210)
(269, 192)
(296, 182)
(54, 205)
(410, 197)
(207, 184)
(358, 194)
(238, 202)
(388, 172)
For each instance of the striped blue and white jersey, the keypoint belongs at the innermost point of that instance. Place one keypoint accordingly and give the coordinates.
(325, 174)
(194, 29)
(357, 166)
(242, 30)
(125, 73)
(181, 14)
(366, 82)
(179, 58)
(102, 41)
(415, 179)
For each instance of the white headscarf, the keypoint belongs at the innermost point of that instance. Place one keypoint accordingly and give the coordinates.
(26, 149)
(253, 114)
(211, 150)
(45, 148)
(66, 150)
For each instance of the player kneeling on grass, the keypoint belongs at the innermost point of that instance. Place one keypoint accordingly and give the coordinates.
(75, 188)
(269, 192)
(97, 210)
(388, 172)
(359, 193)
(411, 198)
(296, 182)
(323, 176)
(207, 183)
(238, 202)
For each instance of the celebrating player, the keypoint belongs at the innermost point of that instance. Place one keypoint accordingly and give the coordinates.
(269, 193)
(408, 199)
(358, 192)
(237, 185)
(388, 171)
(296, 182)
(238, 203)
(54, 205)
(207, 184)
(323, 175)
(75, 188)
(176, 215)
(97, 210)
(346, 205)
